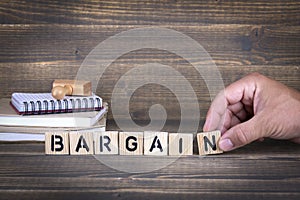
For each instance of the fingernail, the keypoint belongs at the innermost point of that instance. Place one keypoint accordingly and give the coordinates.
(226, 144)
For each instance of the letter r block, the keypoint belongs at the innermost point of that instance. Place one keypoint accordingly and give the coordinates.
(208, 142)
(131, 143)
(57, 143)
(106, 142)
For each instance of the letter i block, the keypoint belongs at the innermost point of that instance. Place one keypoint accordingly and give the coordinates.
(156, 143)
(131, 143)
(180, 144)
(208, 142)
(81, 143)
(57, 143)
(106, 142)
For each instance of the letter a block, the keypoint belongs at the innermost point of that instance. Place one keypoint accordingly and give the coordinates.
(131, 143)
(208, 142)
(81, 143)
(57, 143)
(156, 143)
(106, 142)
(180, 144)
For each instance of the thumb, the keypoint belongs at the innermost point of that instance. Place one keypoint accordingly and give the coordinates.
(242, 134)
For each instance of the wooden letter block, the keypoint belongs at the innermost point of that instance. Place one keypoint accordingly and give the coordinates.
(81, 143)
(57, 143)
(131, 143)
(208, 142)
(106, 142)
(155, 143)
(180, 144)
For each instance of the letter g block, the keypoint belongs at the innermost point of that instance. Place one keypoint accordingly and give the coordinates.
(131, 143)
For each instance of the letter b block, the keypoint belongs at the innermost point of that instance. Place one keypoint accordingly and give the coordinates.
(57, 143)
(208, 142)
(131, 143)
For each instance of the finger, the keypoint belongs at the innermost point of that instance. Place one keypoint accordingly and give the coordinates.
(215, 113)
(242, 90)
(230, 120)
(242, 134)
(242, 115)
(234, 121)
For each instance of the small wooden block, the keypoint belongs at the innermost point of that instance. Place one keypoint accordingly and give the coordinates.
(180, 144)
(79, 87)
(57, 143)
(131, 143)
(81, 143)
(155, 143)
(208, 142)
(106, 142)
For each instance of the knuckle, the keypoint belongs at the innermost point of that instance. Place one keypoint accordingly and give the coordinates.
(242, 136)
(256, 76)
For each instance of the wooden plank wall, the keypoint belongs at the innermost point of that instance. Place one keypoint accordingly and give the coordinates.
(46, 40)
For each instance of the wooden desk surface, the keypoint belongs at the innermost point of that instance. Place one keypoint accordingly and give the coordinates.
(46, 40)
(267, 170)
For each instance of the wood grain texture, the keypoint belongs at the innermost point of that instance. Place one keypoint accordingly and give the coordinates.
(106, 142)
(147, 12)
(131, 143)
(156, 143)
(180, 144)
(43, 41)
(272, 172)
(57, 143)
(28, 81)
(208, 142)
(46, 40)
(232, 44)
(81, 143)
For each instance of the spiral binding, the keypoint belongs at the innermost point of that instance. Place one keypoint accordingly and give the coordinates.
(62, 106)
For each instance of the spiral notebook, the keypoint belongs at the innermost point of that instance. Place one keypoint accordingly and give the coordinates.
(76, 120)
(44, 103)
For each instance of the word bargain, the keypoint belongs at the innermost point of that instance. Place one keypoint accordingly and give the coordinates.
(130, 143)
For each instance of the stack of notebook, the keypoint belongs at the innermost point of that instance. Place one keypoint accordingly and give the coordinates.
(40, 112)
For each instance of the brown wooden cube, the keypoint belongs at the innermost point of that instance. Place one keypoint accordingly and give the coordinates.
(81, 143)
(208, 142)
(57, 143)
(155, 143)
(131, 143)
(180, 144)
(106, 142)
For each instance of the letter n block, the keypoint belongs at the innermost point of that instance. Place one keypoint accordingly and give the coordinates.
(208, 142)
(57, 143)
(81, 143)
(131, 143)
(156, 143)
(106, 142)
(180, 144)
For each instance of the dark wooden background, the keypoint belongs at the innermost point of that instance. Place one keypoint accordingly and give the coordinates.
(46, 40)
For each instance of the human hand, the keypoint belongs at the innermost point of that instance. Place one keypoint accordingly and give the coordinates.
(252, 108)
